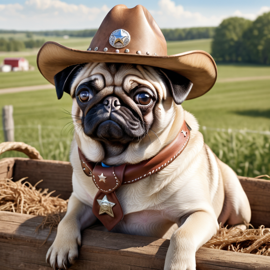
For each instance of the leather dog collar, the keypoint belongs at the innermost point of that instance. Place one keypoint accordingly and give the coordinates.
(106, 206)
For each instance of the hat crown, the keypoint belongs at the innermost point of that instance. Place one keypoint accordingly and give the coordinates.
(127, 30)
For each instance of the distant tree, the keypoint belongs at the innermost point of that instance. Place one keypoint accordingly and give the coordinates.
(31, 43)
(227, 41)
(188, 33)
(3, 45)
(256, 40)
(170, 34)
(14, 45)
(29, 35)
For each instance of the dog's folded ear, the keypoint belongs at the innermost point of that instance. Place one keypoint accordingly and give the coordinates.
(64, 79)
(179, 85)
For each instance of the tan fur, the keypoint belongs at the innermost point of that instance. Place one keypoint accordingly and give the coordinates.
(192, 192)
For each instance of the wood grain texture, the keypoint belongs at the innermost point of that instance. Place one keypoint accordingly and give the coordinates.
(21, 248)
(258, 193)
(6, 167)
(56, 175)
(8, 123)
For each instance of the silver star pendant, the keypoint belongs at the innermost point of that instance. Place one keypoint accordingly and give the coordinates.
(106, 206)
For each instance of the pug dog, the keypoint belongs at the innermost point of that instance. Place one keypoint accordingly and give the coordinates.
(126, 114)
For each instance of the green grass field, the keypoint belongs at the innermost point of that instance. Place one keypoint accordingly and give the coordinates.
(44, 122)
(176, 47)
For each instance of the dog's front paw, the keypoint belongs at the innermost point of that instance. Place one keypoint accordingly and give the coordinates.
(64, 250)
(180, 256)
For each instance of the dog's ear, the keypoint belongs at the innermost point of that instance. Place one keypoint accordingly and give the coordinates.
(64, 78)
(179, 85)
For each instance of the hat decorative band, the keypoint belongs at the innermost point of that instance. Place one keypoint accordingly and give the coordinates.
(119, 38)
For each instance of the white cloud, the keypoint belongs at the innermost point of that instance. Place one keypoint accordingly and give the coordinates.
(9, 11)
(172, 15)
(263, 10)
(10, 7)
(57, 14)
(51, 14)
(251, 16)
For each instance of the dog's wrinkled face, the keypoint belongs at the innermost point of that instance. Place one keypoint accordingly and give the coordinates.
(119, 103)
(115, 112)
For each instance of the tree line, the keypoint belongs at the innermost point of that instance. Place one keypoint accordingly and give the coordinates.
(170, 34)
(11, 44)
(188, 33)
(241, 40)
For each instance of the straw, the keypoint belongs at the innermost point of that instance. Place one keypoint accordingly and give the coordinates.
(24, 198)
(251, 240)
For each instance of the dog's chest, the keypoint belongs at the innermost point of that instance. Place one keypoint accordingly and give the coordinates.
(146, 223)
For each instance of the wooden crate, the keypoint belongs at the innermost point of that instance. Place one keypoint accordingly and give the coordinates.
(21, 247)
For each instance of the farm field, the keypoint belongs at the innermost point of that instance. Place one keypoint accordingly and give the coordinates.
(30, 78)
(44, 122)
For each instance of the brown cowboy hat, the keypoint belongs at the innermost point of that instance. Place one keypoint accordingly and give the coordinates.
(131, 36)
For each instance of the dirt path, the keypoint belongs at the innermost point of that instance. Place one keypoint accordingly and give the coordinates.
(26, 88)
(49, 86)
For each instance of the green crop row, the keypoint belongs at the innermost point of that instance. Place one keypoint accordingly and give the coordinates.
(247, 154)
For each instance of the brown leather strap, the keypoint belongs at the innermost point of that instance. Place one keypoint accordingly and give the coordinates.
(168, 154)
(101, 213)
(108, 179)
(136, 172)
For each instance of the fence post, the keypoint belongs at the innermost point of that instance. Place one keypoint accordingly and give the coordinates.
(8, 123)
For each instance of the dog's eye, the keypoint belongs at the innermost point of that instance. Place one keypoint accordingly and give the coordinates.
(143, 98)
(84, 96)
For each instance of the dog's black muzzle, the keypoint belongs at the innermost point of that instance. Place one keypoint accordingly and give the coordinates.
(111, 120)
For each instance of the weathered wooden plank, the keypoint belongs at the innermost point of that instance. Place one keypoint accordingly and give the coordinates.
(258, 193)
(21, 248)
(8, 123)
(6, 167)
(56, 175)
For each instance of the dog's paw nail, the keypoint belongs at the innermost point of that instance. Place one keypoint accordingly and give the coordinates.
(72, 257)
(54, 266)
(79, 241)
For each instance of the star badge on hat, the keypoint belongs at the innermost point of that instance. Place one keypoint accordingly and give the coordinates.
(119, 38)
(106, 206)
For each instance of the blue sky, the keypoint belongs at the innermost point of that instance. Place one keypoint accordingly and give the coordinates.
(81, 14)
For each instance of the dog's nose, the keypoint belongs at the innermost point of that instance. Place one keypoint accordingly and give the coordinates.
(112, 103)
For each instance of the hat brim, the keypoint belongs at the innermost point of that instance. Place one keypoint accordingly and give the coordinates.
(198, 66)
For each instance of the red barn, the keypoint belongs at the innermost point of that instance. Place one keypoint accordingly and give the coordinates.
(17, 63)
